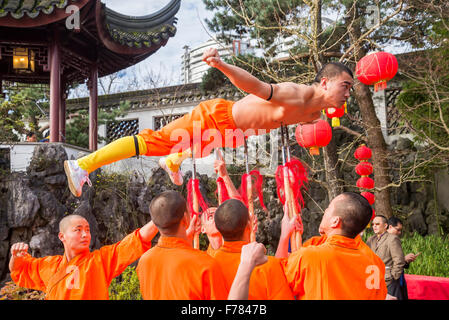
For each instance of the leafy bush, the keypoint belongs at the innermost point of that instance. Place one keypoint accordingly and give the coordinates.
(13, 292)
(126, 286)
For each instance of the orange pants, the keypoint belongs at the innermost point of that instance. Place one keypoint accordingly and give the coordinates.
(208, 125)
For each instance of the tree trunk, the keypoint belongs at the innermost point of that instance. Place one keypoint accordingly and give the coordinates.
(375, 139)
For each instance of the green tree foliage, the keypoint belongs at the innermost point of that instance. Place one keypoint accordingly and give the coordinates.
(126, 286)
(77, 130)
(21, 110)
(424, 101)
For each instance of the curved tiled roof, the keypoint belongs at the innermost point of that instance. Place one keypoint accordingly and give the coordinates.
(32, 8)
(145, 31)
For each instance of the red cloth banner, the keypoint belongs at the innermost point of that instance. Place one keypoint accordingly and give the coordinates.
(427, 287)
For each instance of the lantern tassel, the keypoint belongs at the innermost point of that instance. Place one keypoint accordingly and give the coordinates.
(335, 122)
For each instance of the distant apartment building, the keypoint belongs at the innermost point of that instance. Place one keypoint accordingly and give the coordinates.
(193, 68)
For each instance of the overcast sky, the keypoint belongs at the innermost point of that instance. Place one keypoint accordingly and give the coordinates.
(190, 29)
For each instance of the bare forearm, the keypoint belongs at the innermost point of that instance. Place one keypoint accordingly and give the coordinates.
(244, 80)
(240, 285)
(282, 250)
(232, 191)
(15, 263)
(148, 232)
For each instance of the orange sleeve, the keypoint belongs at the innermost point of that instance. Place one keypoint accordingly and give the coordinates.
(278, 288)
(292, 270)
(118, 256)
(34, 273)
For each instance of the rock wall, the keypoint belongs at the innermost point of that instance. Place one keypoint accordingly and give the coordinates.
(33, 203)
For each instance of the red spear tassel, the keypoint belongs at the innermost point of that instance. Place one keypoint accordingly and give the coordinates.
(297, 175)
(194, 186)
(224, 195)
(255, 175)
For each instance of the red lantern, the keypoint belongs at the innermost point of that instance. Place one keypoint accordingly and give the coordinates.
(365, 183)
(314, 135)
(377, 68)
(363, 153)
(364, 168)
(335, 114)
(369, 196)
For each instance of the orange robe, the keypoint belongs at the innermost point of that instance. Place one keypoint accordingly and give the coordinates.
(85, 277)
(211, 251)
(174, 270)
(267, 281)
(338, 269)
(315, 241)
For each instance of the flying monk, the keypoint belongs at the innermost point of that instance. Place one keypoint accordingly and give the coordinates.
(225, 122)
(78, 274)
(268, 281)
(339, 265)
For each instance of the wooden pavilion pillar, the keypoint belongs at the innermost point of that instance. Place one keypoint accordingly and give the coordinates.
(55, 87)
(93, 108)
(62, 112)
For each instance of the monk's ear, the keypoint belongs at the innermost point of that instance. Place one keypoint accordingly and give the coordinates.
(61, 236)
(335, 222)
(323, 82)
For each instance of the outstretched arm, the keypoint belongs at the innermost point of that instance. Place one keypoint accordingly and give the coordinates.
(18, 251)
(148, 232)
(285, 94)
(287, 227)
(220, 169)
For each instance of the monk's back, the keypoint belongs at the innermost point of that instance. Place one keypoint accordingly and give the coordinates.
(180, 273)
(339, 269)
(267, 282)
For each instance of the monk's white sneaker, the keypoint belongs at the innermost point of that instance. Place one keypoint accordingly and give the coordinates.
(175, 177)
(76, 177)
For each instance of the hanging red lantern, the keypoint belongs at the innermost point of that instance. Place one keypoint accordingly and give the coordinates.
(377, 68)
(363, 153)
(314, 135)
(365, 183)
(369, 196)
(364, 168)
(335, 114)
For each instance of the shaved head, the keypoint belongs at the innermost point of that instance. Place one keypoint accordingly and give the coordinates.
(167, 210)
(331, 70)
(68, 220)
(231, 219)
(355, 212)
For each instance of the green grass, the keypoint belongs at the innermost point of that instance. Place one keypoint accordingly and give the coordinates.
(434, 258)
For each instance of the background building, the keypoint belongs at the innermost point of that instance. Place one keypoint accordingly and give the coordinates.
(193, 68)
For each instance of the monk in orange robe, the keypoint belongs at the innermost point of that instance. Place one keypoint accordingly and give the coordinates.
(340, 266)
(268, 281)
(173, 269)
(78, 274)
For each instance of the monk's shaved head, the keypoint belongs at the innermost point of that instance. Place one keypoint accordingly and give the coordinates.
(355, 212)
(167, 211)
(67, 221)
(231, 219)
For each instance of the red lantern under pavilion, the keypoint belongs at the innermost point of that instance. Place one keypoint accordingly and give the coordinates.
(377, 68)
(314, 135)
